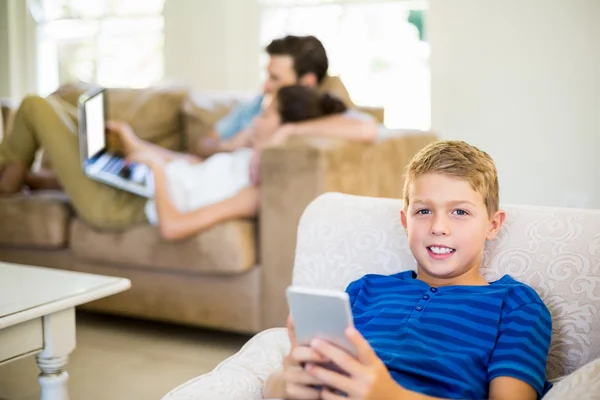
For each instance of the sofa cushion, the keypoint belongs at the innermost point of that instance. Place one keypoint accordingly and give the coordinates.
(228, 248)
(39, 219)
(201, 111)
(154, 113)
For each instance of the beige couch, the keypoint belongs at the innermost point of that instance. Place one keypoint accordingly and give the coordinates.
(230, 277)
(341, 238)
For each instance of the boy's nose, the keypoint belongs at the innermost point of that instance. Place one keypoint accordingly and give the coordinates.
(440, 227)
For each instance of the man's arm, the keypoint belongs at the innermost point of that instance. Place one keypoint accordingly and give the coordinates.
(229, 133)
(208, 146)
(337, 126)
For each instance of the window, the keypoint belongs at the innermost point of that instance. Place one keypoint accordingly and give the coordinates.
(116, 43)
(375, 47)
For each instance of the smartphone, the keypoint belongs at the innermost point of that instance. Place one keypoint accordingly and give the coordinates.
(323, 314)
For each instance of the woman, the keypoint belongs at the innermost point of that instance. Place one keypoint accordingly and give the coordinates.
(191, 195)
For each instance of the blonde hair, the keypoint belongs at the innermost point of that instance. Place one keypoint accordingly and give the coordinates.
(459, 160)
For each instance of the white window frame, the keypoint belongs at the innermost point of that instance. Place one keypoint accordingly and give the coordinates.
(421, 100)
(47, 64)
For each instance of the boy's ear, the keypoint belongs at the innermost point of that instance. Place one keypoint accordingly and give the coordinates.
(495, 224)
(403, 219)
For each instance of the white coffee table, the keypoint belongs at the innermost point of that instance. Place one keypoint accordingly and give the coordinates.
(37, 316)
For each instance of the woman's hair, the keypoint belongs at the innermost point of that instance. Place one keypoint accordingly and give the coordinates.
(300, 103)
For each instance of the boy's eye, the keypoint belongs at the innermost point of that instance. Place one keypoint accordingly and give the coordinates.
(460, 212)
(423, 212)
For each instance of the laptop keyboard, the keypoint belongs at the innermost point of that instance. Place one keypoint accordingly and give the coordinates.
(117, 166)
(114, 166)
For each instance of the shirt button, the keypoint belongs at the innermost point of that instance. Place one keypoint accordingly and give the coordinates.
(433, 290)
(425, 297)
(419, 307)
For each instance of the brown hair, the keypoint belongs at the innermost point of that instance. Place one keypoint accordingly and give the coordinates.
(300, 103)
(308, 54)
(459, 160)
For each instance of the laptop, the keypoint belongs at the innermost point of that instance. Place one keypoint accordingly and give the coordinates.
(97, 161)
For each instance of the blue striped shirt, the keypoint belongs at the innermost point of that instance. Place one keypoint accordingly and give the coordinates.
(452, 341)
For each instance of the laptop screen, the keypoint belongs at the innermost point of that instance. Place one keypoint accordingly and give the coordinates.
(94, 122)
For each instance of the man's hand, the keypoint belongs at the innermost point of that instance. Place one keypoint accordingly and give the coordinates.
(298, 382)
(368, 378)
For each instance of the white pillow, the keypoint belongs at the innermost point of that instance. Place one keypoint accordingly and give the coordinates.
(583, 384)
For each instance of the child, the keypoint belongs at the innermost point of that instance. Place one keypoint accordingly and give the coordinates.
(442, 332)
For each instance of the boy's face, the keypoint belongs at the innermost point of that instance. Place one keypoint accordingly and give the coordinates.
(447, 225)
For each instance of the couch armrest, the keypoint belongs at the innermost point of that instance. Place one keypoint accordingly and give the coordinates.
(241, 376)
(297, 172)
(581, 384)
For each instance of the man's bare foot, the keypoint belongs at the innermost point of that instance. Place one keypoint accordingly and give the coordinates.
(12, 178)
(42, 180)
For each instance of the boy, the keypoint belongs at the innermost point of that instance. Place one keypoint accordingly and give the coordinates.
(444, 332)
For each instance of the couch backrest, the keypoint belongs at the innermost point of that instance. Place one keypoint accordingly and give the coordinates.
(154, 113)
(554, 250)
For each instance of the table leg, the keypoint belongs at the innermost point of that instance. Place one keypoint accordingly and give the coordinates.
(53, 379)
(59, 341)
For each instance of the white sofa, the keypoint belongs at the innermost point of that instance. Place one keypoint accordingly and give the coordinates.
(342, 237)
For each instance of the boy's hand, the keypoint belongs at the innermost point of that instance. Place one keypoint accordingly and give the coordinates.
(297, 380)
(368, 377)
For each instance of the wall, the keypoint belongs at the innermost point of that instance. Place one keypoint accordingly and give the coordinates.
(213, 45)
(17, 49)
(521, 80)
(4, 55)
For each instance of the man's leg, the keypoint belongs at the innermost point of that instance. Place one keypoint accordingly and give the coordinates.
(42, 123)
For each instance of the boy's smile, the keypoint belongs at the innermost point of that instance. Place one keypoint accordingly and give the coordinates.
(447, 224)
(440, 252)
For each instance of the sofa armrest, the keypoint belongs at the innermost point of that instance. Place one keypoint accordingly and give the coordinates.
(241, 376)
(581, 384)
(297, 172)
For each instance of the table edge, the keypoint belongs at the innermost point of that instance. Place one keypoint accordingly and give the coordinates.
(105, 290)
